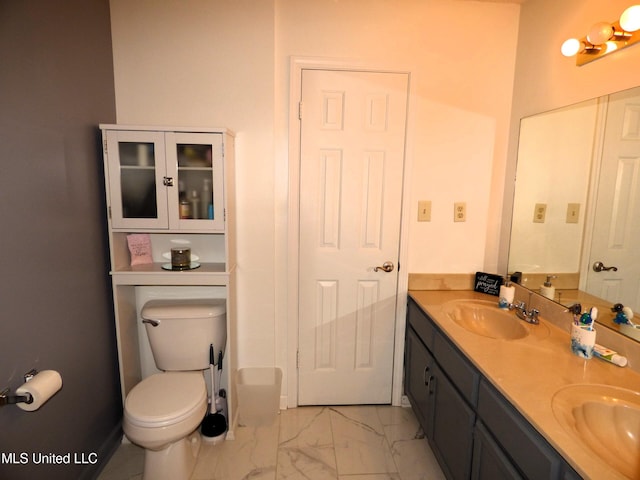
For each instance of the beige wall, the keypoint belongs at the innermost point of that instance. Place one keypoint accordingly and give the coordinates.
(458, 120)
(546, 80)
(226, 63)
(210, 63)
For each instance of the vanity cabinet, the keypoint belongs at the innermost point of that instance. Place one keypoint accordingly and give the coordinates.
(532, 454)
(489, 460)
(452, 434)
(175, 185)
(473, 430)
(440, 398)
(418, 374)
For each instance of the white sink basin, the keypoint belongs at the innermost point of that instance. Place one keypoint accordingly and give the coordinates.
(604, 419)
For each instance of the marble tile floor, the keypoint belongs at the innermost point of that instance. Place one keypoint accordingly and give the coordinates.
(310, 443)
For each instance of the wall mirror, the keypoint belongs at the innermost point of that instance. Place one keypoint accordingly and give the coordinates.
(576, 213)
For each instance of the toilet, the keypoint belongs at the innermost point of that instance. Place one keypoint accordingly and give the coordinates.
(162, 413)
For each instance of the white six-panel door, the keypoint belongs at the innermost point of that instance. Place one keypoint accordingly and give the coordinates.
(617, 217)
(352, 157)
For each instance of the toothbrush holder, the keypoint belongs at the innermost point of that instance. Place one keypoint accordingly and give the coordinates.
(583, 339)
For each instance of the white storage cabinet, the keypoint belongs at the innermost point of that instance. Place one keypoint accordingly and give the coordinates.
(151, 174)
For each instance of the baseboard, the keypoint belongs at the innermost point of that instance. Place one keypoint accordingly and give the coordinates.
(105, 452)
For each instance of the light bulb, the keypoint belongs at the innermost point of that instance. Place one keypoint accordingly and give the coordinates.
(610, 47)
(570, 47)
(600, 33)
(630, 19)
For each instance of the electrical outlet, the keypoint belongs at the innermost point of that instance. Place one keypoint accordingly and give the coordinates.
(573, 212)
(460, 212)
(424, 211)
(539, 213)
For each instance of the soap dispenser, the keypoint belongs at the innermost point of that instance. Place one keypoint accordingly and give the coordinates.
(507, 294)
(548, 290)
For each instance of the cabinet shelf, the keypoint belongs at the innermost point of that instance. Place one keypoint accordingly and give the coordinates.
(154, 274)
(137, 167)
(195, 169)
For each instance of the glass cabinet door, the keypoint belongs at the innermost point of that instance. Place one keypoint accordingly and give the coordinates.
(194, 160)
(136, 179)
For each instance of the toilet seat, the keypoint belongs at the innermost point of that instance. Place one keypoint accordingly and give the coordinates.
(164, 399)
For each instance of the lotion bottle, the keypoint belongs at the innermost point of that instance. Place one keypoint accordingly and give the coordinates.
(207, 199)
(548, 290)
(195, 204)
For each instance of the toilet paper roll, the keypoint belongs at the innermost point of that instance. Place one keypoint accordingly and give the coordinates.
(41, 387)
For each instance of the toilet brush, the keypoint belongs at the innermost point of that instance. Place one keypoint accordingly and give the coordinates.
(214, 425)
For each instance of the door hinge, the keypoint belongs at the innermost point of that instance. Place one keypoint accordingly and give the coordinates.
(299, 110)
(109, 210)
(104, 146)
(297, 359)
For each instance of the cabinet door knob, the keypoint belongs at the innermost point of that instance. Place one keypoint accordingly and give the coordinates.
(167, 181)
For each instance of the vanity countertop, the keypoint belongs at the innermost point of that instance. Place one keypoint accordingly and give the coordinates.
(529, 371)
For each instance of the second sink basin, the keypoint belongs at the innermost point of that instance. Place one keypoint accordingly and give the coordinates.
(484, 318)
(606, 420)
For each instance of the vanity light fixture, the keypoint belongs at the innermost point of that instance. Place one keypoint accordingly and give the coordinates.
(604, 38)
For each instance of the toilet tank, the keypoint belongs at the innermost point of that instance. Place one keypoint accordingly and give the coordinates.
(185, 329)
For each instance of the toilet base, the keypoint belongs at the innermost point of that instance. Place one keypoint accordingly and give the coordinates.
(176, 462)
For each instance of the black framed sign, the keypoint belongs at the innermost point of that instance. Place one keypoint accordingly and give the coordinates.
(488, 283)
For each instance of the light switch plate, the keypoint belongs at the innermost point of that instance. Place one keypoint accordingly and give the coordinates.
(424, 211)
(573, 212)
(539, 213)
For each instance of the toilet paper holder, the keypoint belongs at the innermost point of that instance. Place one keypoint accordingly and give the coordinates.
(7, 399)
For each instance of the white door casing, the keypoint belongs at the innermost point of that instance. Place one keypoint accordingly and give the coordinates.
(617, 216)
(351, 171)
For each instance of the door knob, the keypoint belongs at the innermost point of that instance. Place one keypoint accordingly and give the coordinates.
(599, 267)
(386, 266)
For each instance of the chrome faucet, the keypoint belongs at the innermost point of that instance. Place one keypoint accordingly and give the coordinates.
(530, 316)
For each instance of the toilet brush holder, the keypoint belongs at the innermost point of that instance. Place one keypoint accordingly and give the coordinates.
(214, 425)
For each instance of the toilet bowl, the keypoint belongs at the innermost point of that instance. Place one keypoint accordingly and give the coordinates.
(162, 414)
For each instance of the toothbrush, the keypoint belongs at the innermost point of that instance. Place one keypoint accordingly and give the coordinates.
(586, 319)
(593, 314)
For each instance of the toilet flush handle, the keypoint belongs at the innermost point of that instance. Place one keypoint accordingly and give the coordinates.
(154, 323)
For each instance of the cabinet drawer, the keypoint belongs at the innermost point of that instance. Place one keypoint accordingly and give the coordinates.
(422, 324)
(535, 458)
(462, 374)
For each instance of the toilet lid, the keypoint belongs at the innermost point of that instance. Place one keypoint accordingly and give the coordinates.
(165, 398)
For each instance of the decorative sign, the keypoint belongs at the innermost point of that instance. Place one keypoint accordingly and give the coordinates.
(488, 283)
(140, 248)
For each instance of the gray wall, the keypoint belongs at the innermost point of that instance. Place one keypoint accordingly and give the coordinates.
(56, 85)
